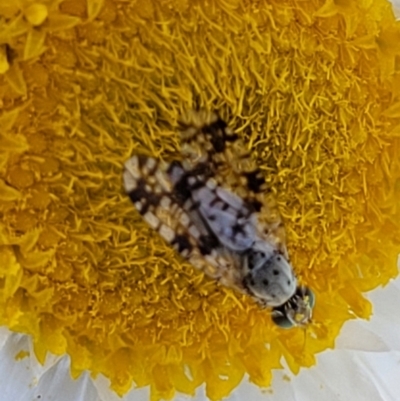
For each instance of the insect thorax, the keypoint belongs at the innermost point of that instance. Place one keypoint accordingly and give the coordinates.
(269, 276)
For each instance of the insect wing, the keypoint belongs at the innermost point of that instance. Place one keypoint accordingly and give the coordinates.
(148, 184)
(207, 138)
(227, 216)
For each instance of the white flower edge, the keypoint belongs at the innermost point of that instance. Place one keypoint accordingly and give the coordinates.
(363, 367)
(25, 379)
(396, 8)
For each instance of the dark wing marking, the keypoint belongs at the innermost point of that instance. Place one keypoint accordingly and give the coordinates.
(227, 216)
(159, 191)
(207, 139)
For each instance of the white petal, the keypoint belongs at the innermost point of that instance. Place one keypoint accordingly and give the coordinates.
(396, 8)
(382, 333)
(26, 380)
(102, 385)
(4, 334)
(56, 384)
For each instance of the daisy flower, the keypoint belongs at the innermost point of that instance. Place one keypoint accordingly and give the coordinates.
(87, 289)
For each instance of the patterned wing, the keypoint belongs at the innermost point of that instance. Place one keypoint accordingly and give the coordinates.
(207, 139)
(161, 192)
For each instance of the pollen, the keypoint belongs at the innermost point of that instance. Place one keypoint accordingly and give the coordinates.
(312, 87)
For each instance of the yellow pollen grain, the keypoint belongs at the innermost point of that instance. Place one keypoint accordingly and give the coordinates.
(21, 355)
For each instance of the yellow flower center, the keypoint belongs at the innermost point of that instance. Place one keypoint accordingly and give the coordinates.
(312, 87)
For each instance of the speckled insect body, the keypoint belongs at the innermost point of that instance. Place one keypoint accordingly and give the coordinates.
(211, 207)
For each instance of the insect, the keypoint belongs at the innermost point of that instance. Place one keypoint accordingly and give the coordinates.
(212, 206)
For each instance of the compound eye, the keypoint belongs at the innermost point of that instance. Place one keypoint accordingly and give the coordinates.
(311, 297)
(281, 320)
